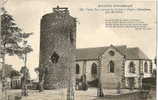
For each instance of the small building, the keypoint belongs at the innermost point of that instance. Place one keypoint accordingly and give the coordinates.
(113, 66)
(16, 82)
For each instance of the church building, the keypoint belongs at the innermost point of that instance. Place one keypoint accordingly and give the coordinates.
(113, 66)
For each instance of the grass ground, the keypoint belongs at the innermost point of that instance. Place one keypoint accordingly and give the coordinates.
(60, 94)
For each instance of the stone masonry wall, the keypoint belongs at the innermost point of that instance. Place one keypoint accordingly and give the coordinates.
(111, 80)
(57, 48)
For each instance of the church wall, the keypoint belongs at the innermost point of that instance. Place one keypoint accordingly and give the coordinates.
(139, 68)
(108, 79)
(148, 73)
(88, 70)
(127, 73)
(81, 69)
(136, 82)
(137, 65)
(85, 68)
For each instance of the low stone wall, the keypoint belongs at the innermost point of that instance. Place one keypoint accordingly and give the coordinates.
(11, 97)
(128, 96)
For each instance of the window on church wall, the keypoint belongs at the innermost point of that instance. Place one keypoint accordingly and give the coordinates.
(151, 67)
(145, 67)
(111, 53)
(111, 67)
(77, 69)
(132, 67)
(94, 69)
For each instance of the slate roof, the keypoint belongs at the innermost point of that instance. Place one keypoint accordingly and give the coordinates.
(89, 53)
(93, 53)
(135, 53)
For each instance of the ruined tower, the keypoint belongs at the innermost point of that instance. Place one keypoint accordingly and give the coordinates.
(57, 48)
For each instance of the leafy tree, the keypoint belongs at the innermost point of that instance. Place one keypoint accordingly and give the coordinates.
(13, 39)
(10, 72)
(14, 73)
(8, 69)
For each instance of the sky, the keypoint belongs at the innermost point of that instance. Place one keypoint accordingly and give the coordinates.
(91, 31)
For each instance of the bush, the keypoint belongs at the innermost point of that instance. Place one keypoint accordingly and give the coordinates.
(93, 83)
(148, 83)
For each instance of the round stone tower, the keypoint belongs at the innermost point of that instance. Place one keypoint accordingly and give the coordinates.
(57, 48)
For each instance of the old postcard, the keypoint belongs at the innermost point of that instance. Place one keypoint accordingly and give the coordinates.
(78, 50)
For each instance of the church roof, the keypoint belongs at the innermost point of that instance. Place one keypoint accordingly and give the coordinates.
(135, 53)
(94, 53)
(89, 53)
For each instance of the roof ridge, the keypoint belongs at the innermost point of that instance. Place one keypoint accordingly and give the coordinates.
(139, 54)
(102, 47)
(90, 47)
(133, 48)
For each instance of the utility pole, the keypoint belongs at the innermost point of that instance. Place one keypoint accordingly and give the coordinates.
(0, 53)
(100, 92)
(71, 75)
(71, 82)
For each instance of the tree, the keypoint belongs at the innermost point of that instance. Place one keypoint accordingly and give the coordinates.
(8, 70)
(13, 40)
(14, 73)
